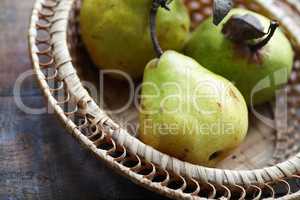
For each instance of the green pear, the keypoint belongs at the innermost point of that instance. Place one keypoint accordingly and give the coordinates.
(257, 74)
(189, 112)
(116, 32)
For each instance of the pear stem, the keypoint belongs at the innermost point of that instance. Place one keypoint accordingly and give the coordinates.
(272, 28)
(153, 14)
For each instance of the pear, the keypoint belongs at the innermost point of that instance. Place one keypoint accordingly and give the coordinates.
(257, 72)
(189, 112)
(116, 33)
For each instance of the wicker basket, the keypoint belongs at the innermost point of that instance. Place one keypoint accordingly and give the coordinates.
(59, 59)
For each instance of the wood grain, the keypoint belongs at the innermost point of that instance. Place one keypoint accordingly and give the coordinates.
(38, 159)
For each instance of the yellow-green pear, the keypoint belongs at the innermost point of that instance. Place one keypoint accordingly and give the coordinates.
(116, 32)
(189, 112)
(258, 66)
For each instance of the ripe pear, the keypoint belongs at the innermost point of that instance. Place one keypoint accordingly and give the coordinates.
(117, 36)
(189, 112)
(257, 74)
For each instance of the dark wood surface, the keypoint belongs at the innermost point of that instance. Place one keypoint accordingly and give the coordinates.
(38, 159)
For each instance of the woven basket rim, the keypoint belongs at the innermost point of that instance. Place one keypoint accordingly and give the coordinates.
(63, 60)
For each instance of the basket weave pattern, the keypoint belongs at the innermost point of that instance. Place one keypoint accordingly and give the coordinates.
(53, 32)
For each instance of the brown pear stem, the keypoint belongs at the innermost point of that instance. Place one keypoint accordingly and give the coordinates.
(273, 26)
(153, 14)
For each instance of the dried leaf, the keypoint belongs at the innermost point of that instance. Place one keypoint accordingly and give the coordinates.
(220, 9)
(243, 28)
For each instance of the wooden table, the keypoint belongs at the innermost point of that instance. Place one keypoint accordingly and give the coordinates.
(38, 159)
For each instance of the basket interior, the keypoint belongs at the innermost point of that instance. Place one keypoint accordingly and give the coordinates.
(263, 145)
